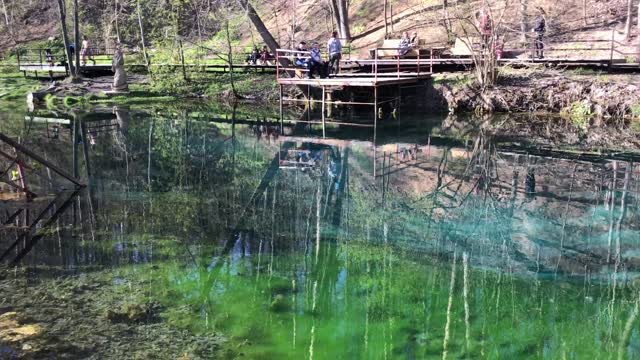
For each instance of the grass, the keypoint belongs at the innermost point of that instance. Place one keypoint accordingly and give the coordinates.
(212, 84)
(455, 82)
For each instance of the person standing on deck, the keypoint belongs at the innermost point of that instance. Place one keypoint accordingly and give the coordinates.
(86, 51)
(486, 28)
(315, 61)
(334, 47)
(540, 28)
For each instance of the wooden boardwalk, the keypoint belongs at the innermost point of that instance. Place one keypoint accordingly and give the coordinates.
(359, 80)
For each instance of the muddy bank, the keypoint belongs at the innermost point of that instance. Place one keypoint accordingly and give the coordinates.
(590, 99)
(92, 316)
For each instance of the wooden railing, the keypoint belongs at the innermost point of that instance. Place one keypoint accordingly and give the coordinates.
(286, 56)
(45, 57)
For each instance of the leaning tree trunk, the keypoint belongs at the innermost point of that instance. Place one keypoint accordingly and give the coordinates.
(259, 25)
(343, 9)
(65, 36)
(335, 12)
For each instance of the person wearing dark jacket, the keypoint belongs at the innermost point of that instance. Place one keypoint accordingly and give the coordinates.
(540, 28)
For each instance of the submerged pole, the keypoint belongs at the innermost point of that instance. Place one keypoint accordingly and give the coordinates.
(281, 110)
(375, 129)
(324, 95)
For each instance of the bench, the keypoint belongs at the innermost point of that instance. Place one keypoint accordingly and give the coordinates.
(465, 47)
(390, 47)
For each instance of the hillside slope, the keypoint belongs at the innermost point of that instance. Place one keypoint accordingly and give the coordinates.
(313, 20)
(565, 19)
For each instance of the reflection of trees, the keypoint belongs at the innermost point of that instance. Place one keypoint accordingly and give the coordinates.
(477, 200)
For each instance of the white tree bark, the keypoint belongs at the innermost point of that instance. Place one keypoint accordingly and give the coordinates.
(144, 49)
(523, 20)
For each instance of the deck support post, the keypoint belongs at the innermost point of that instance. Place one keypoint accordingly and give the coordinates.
(324, 105)
(281, 110)
(375, 127)
(74, 148)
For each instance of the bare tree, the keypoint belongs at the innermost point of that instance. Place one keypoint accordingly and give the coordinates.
(524, 20)
(144, 49)
(340, 9)
(446, 19)
(484, 59)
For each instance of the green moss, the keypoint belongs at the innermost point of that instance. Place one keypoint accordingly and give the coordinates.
(579, 113)
(70, 101)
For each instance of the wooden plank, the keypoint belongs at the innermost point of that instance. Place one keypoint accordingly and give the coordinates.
(356, 82)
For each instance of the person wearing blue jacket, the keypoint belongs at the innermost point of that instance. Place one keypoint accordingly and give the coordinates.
(334, 47)
(315, 60)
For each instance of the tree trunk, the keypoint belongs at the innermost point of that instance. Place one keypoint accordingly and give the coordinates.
(343, 10)
(445, 18)
(115, 14)
(65, 36)
(584, 12)
(76, 33)
(524, 20)
(6, 17)
(627, 29)
(230, 59)
(386, 24)
(335, 12)
(259, 25)
(638, 23)
(144, 48)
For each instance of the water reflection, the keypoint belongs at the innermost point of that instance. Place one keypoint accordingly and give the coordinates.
(441, 243)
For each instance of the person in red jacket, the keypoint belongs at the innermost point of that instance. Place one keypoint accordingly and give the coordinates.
(485, 27)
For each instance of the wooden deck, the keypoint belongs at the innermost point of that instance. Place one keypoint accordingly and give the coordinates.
(359, 80)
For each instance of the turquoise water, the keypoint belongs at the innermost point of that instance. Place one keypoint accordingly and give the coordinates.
(430, 244)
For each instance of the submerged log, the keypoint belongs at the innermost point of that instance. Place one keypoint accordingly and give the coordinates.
(36, 97)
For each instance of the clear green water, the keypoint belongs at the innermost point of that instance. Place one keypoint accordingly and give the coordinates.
(465, 250)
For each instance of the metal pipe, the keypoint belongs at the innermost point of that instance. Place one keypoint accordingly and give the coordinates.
(323, 109)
